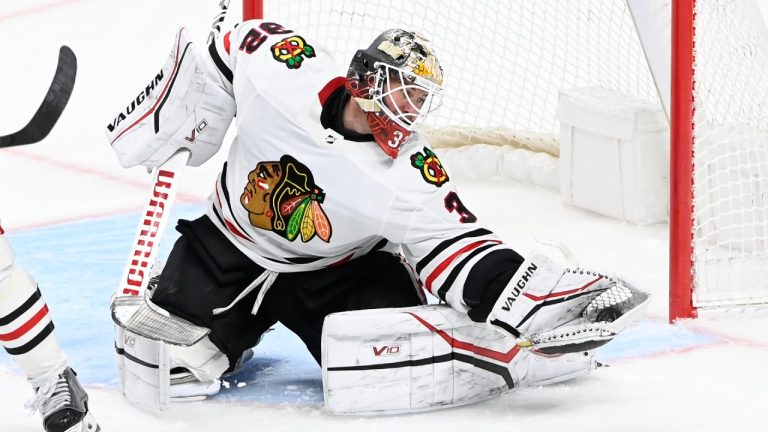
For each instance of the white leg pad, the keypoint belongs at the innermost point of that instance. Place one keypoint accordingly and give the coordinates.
(144, 370)
(144, 365)
(545, 370)
(389, 361)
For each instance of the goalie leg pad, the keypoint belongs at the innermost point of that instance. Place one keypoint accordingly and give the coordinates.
(544, 369)
(389, 361)
(144, 369)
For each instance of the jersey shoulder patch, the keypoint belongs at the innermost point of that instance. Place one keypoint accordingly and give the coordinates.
(430, 167)
(292, 51)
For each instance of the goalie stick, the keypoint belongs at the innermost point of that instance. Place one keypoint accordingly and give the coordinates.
(53, 104)
(129, 307)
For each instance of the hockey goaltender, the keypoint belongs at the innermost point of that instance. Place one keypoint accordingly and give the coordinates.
(334, 217)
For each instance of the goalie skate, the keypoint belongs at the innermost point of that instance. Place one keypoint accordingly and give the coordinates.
(63, 403)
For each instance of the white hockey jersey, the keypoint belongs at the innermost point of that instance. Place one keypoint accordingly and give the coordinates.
(295, 196)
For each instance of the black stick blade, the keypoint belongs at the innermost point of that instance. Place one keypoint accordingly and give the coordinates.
(53, 105)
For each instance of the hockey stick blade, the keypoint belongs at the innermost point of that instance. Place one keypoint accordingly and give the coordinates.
(53, 105)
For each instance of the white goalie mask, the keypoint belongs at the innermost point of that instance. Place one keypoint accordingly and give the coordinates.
(397, 81)
(405, 97)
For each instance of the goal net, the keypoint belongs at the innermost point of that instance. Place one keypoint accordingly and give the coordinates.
(730, 155)
(506, 63)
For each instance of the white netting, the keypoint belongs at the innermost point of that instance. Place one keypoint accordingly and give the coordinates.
(730, 154)
(504, 61)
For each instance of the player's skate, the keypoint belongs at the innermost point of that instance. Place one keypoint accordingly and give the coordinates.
(63, 404)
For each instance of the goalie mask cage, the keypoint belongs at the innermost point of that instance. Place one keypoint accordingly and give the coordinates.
(506, 61)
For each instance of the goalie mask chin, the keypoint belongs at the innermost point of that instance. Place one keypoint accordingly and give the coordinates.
(397, 81)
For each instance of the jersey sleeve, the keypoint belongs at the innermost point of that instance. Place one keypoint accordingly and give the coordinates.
(457, 257)
(222, 60)
(243, 47)
(263, 62)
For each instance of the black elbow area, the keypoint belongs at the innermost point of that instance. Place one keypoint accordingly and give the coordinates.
(487, 280)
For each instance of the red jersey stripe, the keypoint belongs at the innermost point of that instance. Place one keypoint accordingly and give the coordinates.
(227, 41)
(447, 262)
(329, 88)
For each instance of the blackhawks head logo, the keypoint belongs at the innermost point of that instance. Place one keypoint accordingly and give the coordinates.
(430, 167)
(291, 51)
(282, 197)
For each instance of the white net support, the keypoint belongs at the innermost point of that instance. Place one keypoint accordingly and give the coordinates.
(730, 154)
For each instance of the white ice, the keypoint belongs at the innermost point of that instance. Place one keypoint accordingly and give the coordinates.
(716, 385)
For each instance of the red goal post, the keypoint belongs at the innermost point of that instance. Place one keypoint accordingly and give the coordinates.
(520, 54)
(681, 164)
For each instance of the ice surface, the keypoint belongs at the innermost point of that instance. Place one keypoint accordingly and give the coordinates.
(70, 210)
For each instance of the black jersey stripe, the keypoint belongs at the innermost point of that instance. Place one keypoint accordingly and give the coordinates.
(21, 309)
(35, 341)
(156, 114)
(443, 290)
(446, 244)
(502, 371)
(223, 68)
(295, 260)
(218, 216)
(380, 245)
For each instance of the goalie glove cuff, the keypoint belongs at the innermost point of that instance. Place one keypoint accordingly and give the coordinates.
(516, 305)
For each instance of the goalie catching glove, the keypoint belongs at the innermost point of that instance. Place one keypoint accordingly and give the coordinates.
(555, 309)
(181, 108)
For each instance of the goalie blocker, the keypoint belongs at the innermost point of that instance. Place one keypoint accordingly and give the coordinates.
(182, 107)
